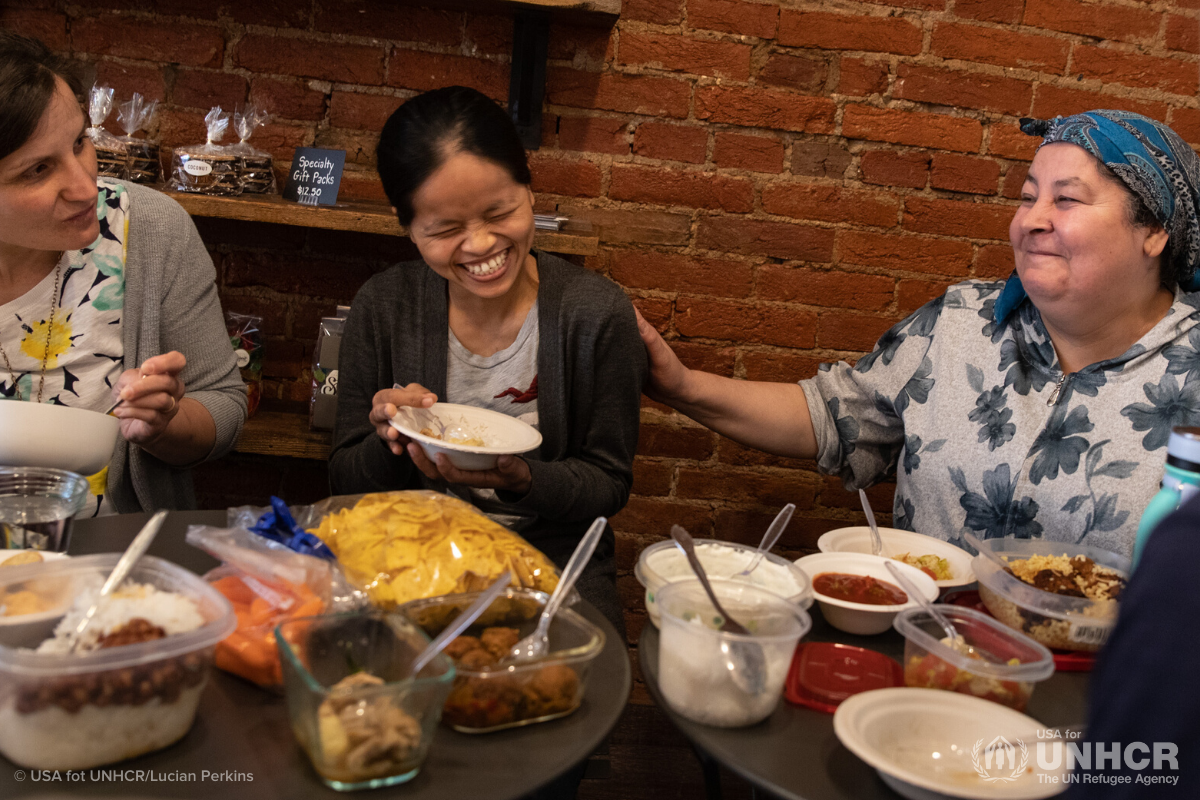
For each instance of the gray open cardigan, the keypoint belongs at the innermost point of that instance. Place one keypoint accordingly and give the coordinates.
(171, 303)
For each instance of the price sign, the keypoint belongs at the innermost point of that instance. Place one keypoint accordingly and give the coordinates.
(315, 176)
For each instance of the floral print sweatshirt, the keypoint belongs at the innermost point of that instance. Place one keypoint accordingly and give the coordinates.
(984, 432)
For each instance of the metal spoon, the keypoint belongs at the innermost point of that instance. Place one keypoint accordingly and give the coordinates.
(461, 622)
(876, 542)
(538, 643)
(915, 593)
(987, 552)
(747, 663)
(770, 538)
(125, 565)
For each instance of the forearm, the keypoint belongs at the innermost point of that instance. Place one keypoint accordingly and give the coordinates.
(187, 439)
(772, 417)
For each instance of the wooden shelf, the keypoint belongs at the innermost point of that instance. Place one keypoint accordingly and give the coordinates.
(587, 12)
(283, 433)
(578, 238)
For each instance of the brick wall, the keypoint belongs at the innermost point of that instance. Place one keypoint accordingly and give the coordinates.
(775, 184)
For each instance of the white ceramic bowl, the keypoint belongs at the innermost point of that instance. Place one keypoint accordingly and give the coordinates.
(48, 435)
(504, 435)
(858, 540)
(860, 618)
(926, 744)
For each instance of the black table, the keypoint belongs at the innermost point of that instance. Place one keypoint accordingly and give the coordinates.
(243, 730)
(794, 753)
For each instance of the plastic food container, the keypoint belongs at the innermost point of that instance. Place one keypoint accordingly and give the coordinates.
(60, 712)
(1055, 620)
(487, 699)
(863, 619)
(1009, 666)
(361, 736)
(38, 506)
(823, 674)
(662, 563)
(695, 667)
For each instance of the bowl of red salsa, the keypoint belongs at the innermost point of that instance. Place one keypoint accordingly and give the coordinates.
(856, 592)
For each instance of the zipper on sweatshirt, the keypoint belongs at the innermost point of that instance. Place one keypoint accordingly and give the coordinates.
(1057, 390)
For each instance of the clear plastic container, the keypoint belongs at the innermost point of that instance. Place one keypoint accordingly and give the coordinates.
(662, 563)
(60, 712)
(37, 507)
(1055, 620)
(492, 698)
(364, 736)
(695, 667)
(1003, 668)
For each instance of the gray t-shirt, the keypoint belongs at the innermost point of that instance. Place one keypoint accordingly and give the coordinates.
(505, 382)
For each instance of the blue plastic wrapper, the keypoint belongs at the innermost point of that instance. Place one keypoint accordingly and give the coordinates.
(278, 525)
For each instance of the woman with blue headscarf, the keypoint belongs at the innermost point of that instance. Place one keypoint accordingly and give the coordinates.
(1037, 406)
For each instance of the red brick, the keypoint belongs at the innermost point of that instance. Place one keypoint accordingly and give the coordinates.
(125, 79)
(777, 366)
(1103, 21)
(755, 153)
(678, 188)
(785, 240)
(681, 54)
(565, 176)
(926, 5)
(959, 173)
(794, 72)
(652, 478)
(488, 34)
(274, 13)
(670, 272)
(745, 322)
(834, 495)
(830, 204)
(281, 140)
(48, 27)
(731, 16)
(361, 186)
(842, 331)
(361, 111)
(912, 128)
(1132, 69)
(360, 146)
(1186, 122)
(349, 63)
(1000, 46)
(746, 527)
(594, 134)
(963, 89)
(674, 441)
(586, 46)
(910, 253)
(646, 516)
(1054, 101)
(741, 486)
(759, 108)
(381, 19)
(958, 218)
(860, 78)
(913, 294)
(1014, 179)
(671, 142)
(421, 71)
(1183, 33)
(848, 32)
(662, 12)
(288, 99)
(820, 159)
(312, 277)
(197, 89)
(633, 94)
(1006, 139)
(1008, 11)
(655, 311)
(994, 261)
(707, 357)
(175, 42)
(889, 168)
(177, 127)
(834, 289)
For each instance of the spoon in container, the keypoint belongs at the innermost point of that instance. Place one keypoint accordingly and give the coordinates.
(125, 565)
(770, 538)
(747, 663)
(987, 552)
(876, 542)
(538, 643)
(915, 593)
(461, 622)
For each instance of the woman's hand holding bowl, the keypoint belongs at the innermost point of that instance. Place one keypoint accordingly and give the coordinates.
(384, 406)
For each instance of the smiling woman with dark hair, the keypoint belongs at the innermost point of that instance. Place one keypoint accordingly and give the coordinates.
(105, 291)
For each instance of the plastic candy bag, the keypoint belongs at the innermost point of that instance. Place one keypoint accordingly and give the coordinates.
(141, 155)
(110, 152)
(208, 168)
(255, 172)
(245, 334)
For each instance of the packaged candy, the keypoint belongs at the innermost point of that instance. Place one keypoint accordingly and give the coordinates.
(110, 151)
(208, 168)
(323, 409)
(245, 334)
(141, 155)
(256, 175)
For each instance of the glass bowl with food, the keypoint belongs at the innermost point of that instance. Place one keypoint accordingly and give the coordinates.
(490, 694)
(362, 718)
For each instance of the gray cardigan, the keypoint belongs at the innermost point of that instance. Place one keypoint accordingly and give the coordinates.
(171, 303)
(591, 366)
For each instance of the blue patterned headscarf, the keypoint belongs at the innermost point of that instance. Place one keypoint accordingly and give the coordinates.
(1153, 162)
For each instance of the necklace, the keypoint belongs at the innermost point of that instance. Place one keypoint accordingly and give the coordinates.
(49, 333)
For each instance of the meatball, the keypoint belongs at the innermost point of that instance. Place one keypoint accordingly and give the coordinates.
(499, 641)
(461, 646)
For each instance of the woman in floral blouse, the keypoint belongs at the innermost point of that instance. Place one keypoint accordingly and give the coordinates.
(1039, 406)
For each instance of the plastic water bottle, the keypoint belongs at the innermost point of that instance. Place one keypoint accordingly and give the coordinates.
(1181, 480)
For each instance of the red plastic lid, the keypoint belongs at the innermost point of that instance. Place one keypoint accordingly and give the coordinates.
(1064, 660)
(823, 674)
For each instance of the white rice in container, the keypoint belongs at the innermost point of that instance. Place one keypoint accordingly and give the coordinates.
(172, 612)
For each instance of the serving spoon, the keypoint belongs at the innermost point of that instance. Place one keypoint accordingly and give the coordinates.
(747, 663)
(461, 623)
(987, 552)
(915, 593)
(770, 538)
(876, 541)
